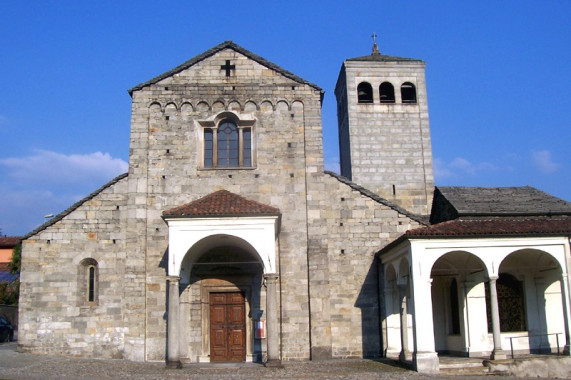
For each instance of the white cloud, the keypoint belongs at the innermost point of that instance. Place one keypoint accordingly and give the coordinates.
(48, 182)
(23, 210)
(51, 167)
(541, 159)
(460, 166)
(441, 170)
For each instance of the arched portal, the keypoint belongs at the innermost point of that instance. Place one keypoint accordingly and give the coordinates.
(458, 307)
(216, 256)
(531, 310)
(221, 301)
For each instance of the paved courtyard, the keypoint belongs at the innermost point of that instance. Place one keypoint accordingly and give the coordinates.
(14, 365)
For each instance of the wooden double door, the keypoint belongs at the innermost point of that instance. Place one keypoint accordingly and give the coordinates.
(227, 327)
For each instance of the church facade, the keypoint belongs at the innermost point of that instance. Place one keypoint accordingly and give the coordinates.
(227, 241)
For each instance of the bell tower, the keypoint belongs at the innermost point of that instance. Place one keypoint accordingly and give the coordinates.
(384, 133)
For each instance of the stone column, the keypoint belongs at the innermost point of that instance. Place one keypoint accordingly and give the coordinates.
(566, 311)
(403, 322)
(385, 323)
(173, 357)
(425, 359)
(272, 325)
(464, 327)
(498, 352)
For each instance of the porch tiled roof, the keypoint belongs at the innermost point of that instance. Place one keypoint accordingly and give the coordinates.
(498, 226)
(222, 203)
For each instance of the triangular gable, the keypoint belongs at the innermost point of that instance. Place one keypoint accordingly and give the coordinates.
(216, 49)
(221, 203)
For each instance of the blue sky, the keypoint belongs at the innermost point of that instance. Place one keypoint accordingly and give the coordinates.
(498, 78)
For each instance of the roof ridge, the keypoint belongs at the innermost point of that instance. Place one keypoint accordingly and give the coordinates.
(74, 206)
(377, 198)
(210, 52)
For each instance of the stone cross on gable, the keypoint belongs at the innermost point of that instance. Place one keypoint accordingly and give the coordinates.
(228, 67)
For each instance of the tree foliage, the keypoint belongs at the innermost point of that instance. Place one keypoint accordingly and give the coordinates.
(14, 265)
(9, 292)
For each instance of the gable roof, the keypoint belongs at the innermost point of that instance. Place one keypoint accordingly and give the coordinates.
(9, 241)
(502, 201)
(216, 49)
(418, 218)
(73, 207)
(221, 203)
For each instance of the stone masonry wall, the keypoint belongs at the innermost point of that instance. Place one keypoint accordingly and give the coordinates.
(54, 317)
(165, 171)
(390, 149)
(346, 229)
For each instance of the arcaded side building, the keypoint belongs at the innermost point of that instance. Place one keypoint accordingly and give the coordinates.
(227, 241)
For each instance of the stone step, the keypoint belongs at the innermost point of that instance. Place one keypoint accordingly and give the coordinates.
(465, 371)
(461, 364)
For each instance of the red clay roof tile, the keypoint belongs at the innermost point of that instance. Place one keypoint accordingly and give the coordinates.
(499, 226)
(221, 203)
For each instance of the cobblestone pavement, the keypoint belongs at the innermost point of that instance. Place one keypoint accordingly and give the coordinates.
(14, 366)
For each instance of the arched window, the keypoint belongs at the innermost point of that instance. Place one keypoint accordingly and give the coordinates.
(227, 146)
(408, 93)
(365, 93)
(88, 282)
(91, 272)
(387, 92)
(510, 304)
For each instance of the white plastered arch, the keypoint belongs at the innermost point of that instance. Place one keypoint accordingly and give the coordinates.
(258, 232)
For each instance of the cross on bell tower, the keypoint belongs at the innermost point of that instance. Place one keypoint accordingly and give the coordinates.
(228, 67)
(376, 51)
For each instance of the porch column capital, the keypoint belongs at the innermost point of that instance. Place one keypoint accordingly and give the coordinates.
(271, 277)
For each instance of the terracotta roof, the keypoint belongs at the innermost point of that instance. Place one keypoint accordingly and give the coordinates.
(216, 49)
(222, 203)
(495, 227)
(9, 241)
